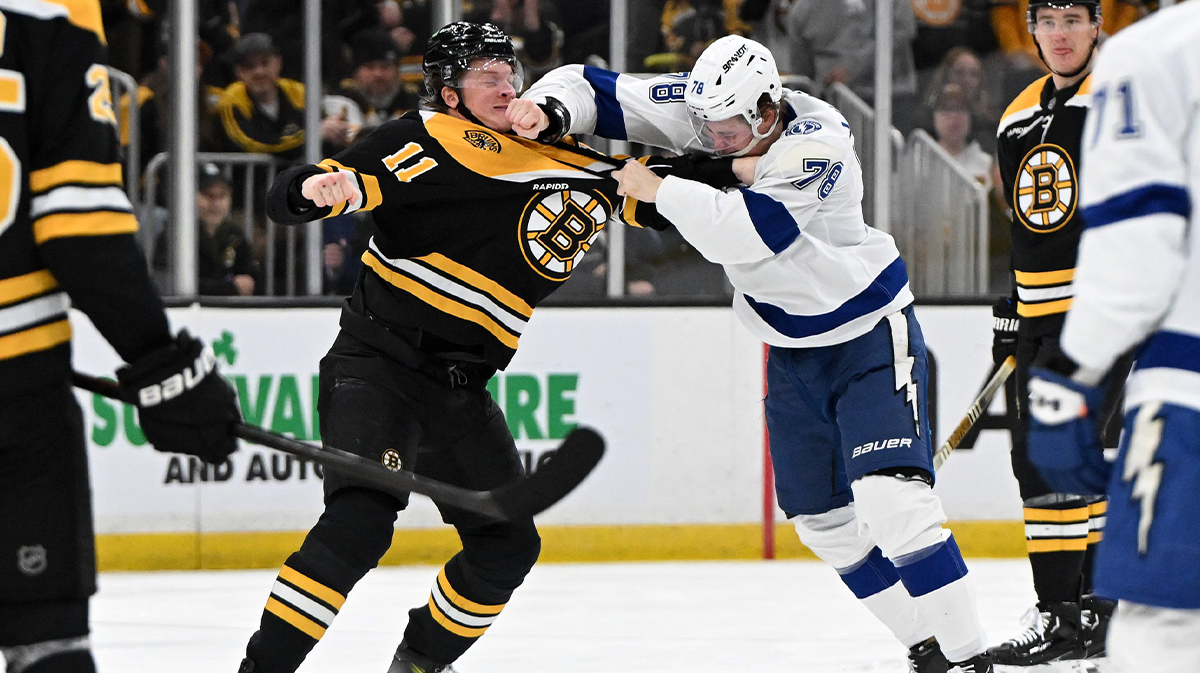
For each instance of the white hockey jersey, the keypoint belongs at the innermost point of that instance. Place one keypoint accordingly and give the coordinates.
(1137, 282)
(807, 269)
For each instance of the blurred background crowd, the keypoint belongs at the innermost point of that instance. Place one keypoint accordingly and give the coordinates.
(956, 65)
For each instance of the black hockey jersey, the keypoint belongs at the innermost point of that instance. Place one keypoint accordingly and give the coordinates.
(65, 223)
(474, 227)
(1038, 153)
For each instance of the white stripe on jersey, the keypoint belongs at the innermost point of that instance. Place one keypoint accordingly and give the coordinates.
(38, 9)
(1029, 294)
(23, 315)
(79, 199)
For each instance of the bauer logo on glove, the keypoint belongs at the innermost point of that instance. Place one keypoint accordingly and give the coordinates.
(173, 386)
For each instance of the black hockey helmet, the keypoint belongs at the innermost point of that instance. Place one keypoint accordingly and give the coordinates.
(452, 48)
(1093, 8)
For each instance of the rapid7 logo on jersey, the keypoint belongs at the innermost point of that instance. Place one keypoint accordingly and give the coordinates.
(816, 169)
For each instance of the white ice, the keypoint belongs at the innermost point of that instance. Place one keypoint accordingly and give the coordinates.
(695, 617)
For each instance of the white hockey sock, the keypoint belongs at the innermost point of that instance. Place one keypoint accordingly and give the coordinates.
(900, 613)
(937, 579)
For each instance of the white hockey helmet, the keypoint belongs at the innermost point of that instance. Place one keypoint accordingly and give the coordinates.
(729, 79)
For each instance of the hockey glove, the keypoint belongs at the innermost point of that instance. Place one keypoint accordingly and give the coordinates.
(1004, 330)
(711, 171)
(1064, 437)
(184, 405)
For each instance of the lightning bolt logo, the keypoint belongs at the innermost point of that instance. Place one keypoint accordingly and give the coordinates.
(1142, 469)
(903, 364)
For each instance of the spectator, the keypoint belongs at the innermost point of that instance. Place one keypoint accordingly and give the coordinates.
(262, 112)
(689, 33)
(225, 263)
(943, 26)
(952, 129)
(532, 25)
(822, 38)
(374, 89)
(345, 240)
(585, 30)
(904, 73)
(283, 20)
(963, 68)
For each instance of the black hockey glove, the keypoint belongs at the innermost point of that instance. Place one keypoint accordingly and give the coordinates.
(1004, 330)
(183, 403)
(711, 171)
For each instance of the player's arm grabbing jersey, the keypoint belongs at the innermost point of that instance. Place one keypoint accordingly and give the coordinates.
(66, 226)
(473, 227)
(1038, 154)
(807, 268)
(1139, 259)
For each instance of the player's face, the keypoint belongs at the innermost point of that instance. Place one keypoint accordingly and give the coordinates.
(1066, 37)
(730, 136)
(487, 89)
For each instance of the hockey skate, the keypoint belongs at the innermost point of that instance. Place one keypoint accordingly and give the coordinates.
(1095, 616)
(407, 661)
(1052, 632)
(927, 657)
(980, 663)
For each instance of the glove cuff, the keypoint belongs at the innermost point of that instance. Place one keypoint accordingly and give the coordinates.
(560, 121)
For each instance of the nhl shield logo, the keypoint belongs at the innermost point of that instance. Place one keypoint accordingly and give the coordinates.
(31, 560)
(483, 140)
(391, 460)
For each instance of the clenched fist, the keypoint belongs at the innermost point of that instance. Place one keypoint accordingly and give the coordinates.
(528, 119)
(330, 189)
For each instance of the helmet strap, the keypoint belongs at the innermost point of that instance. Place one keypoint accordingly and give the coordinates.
(758, 136)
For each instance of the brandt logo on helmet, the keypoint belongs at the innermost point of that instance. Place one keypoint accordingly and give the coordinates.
(483, 140)
(734, 59)
(31, 560)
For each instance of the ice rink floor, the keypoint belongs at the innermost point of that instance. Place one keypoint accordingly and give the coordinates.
(695, 617)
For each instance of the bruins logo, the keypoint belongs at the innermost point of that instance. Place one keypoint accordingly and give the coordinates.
(391, 460)
(937, 12)
(1046, 189)
(558, 227)
(483, 140)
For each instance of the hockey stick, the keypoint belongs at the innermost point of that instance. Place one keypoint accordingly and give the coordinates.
(555, 478)
(975, 410)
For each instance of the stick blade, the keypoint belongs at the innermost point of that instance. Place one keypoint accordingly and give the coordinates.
(569, 465)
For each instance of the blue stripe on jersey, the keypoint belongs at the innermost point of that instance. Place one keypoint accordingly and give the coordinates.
(775, 225)
(1147, 200)
(1170, 349)
(878, 294)
(610, 120)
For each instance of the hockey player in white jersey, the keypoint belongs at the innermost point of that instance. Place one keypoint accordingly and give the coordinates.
(847, 372)
(1137, 285)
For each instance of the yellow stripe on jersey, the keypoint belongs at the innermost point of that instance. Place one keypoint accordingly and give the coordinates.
(507, 155)
(301, 622)
(450, 625)
(15, 289)
(85, 14)
(464, 603)
(1037, 278)
(373, 195)
(1053, 545)
(1095, 536)
(440, 301)
(1048, 308)
(313, 587)
(1097, 508)
(1027, 101)
(102, 223)
(471, 277)
(75, 172)
(1074, 515)
(36, 339)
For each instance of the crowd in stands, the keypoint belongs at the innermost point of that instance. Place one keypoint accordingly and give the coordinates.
(956, 64)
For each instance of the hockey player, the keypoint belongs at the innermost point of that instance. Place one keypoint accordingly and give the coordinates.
(1137, 285)
(474, 228)
(847, 372)
(1038, 155)
(66, 238)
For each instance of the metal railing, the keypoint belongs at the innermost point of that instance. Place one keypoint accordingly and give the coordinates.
(250, 175)
(129, 126)
(861, 118)
(942, 228)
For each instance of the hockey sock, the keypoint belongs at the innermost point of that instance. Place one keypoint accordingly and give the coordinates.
(348, 540)
(936, 578)
(66, 655)
(471, 589)
(1056, 537)
(1097, 513)
(876, 583)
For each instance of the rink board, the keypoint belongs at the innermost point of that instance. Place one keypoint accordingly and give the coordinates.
(677, 393)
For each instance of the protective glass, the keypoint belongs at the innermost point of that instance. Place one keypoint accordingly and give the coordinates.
(1047, 25)
(493, 73)
(723, 138)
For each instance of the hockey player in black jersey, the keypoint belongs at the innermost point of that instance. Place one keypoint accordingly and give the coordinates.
(475, 227)
(66, 238)
(1038, 154)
